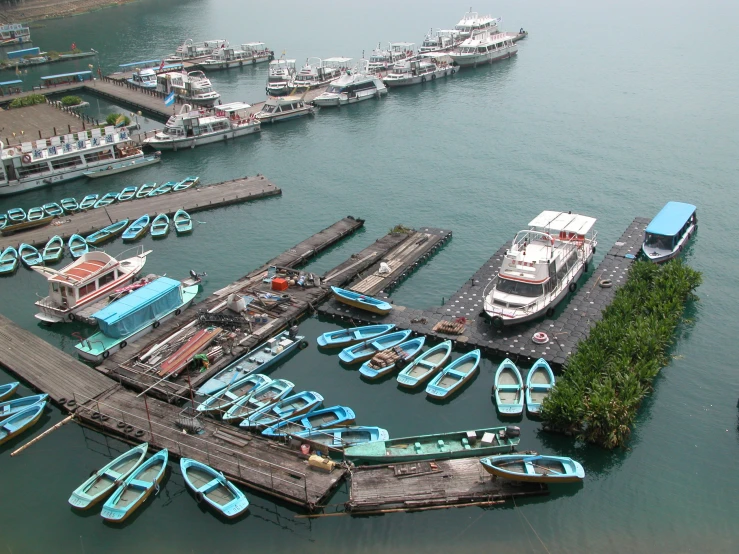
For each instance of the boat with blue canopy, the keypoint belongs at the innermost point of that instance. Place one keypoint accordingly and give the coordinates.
(362, 301)
(224, 399)
(53, 251)
(8, 261)
(365, 350)
(343, 437)
(22, 420)
(29, 255)
(88, 202)
(539, 384)
(137, 229)
(383, 363)
(104, 481)
(669, 231)
(335, 416)
(107, 233)
(425, 366)
(7, 390)
(291, 406)
(534, 468)
(508, 389)
(346, 337)
(107, 199)
(77, 246)
(136, 488)
(454, 375)
(12, 407)
(269, 394)
(212, 487)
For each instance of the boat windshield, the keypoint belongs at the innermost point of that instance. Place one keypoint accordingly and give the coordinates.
(334, 89)
(658, 241)
(519, 288)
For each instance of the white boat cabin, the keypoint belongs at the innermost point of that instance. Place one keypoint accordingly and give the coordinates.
(194, 123)
(472, 22)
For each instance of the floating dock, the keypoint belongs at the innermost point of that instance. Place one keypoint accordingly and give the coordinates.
(572, 325)
(194, 199)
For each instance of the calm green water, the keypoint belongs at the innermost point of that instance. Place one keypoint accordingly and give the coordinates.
(609, 109)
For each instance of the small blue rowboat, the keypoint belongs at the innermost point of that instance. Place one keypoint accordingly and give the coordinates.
(393, 358)
(454, 375)
(163, 189)
(137, 229)
(266, 395)
(508, 388)
(160, 226)
(365, 350)
(34, 214)
(186, 183)
(346, 337)
(534, 469)
(8, 261)
(12, 407)
(53, 209)
(107, 233)
(291, 406)
(22, 420)
(146, 189)
(17, 215)
(425, 366)
(361, 301)
(182, 222)
(106, 480)
(29, 255)
(77, 246)
(335, 416)
(224, 399)
(53, 251)
(3, 220)
(212, 487)
(539, 383)
(88, 202)
(136, 488)
(8, 390)
(127, 193)
(107, 200)
(342, 437)
(70, 205)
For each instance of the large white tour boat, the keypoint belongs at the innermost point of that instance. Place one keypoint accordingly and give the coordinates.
(14, 33)
(472, 22)
(353, 86)
(191, 128)
(317, 73)
(250, 53)
(282, 108)
(483, 47)
(381, 60)
(189, 50)
(414, 72)
(439, 41)
(144, 78)
(541, 267)
(192, 87)
(278, 78)
(47, 161)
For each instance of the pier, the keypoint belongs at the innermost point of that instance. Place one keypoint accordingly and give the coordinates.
(194, 199)
(565, 330)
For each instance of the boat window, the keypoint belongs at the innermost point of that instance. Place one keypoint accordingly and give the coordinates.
(659, 241)
(519, 288)
(24, 171)
(55, 287)
(87, 289)
(334, 89)
(107, 278)
(97, 156)
(66, 162)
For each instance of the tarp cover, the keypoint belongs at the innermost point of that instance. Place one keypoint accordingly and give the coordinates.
(140, 308)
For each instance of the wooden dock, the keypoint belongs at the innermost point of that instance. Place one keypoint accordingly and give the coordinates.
(568, 328)
(425, 485)
(194, 199)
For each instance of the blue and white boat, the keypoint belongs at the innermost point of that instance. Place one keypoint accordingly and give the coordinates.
(17, 215)
(34, 214)
(53, 251)
(7, 390)
(8, 261)
(137, 229)
(224, 399)
(262, 357)
(669, 231)
(454, 375)
(335, 416)
(365, 350)
(393, 358)
(107, 199)
(342, 437)
(362, 301)
(105, 480)
(22, 420)
(185, 184)
(266, 395)
(3, 220)
(160, 226)
(88, 202)
(12, 407)
(29, 255)
(212, 487)
(539, 384)
(291, 406)
(127, 194)
(534, 469)
(425, 366)
(107, 233)
(163, 188)
(136, 488)
(53, 209)
(508, 389)
(77, 246)
(182, 222)
(135, 315)
(146, 189)
(70, 205)
(346, 337)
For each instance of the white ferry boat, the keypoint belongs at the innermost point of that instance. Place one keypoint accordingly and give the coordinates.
(353, 86)
(14, 33)
(282, 108)
(92, 277)
(414, 72)
(482, 47)
(250, 53)
(317, 73)
(144, 78)
(191, 128)
(47, 161)
(541, 267)
(381, 60)
(192, 87)
(472, 22)
(439, 41)
(280, 73)
(190, 50)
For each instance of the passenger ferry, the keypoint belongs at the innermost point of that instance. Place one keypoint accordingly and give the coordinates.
(14, 33)
(414, 72)
(190, 50)
(472, 22)
(317, 73)
(482, 47)
(144, 78)
(439, 41)
(46, 161)
(250, 53)
(191, 128)
(670, 230)
(192, 87)
(92, 277)
(380, 59)
(282, 108)
(280, 73)
(541, 267)
(353, 86)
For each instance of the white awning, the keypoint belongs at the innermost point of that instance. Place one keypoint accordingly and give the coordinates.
(563, 221)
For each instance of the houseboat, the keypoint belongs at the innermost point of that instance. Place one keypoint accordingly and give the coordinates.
(414, 72)
(353, 86)
(192, 87)
(14, 33)
(439, 41)
(541, 267)
(249, 53)
(483, 47)
(282, 108)
(278, 79)
(191, 128)
(144, 78)
(190, 50)
(317, 73)
(89, 279)
(381, 60)
(472, 22)
(670, 230)
(48, 161)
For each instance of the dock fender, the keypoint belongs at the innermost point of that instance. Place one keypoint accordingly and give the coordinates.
(497, 322)
(423, 79)
(155, 324)
(199, 496)
(512, 431)
(303, 344)
(573, 287)
(585, 267)
(550, 312)
(177, 311)
(401, 363)
(433, 76)
(123, 344)
(105, 355)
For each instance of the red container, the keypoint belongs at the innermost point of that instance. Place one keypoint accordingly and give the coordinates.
(278, 283)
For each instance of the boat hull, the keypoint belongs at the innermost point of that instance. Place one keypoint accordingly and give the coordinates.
(192, 142)
(420, 79)
(572, 471)
(474, 60)
(123, 167)
(203, 481)
(329, 100)
(285, 116)
(349, 337)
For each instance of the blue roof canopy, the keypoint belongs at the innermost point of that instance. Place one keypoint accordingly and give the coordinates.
(7, 83)
(75, 74)
(134, 64)
(35, 51)
(671, 219)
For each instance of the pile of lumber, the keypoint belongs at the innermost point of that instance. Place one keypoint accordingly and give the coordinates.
(456, 327)
(386, 357)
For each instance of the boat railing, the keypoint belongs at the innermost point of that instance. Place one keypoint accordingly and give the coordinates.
(508, 311)
(139, 251)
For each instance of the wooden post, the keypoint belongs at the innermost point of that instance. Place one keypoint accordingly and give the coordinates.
(146, 404)
(42, 435)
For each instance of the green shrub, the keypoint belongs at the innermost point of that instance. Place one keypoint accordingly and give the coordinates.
(30, 100)
(71, 100)
(115, 119)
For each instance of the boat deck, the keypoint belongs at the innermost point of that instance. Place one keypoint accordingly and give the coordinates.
(194, 199)
(568, 327)
(427, 485)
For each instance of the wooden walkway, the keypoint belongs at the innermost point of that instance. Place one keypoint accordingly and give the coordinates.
(192, 200)
(427, 485)
(572, 325)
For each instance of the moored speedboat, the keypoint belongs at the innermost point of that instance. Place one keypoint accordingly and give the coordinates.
(250, 53)
(472, 21)
(670, 230)
(381, 60)
(190, 50)
(483, 47)
(144, 78)
(353, 86)
(192, 87)
(439, 41)
(282, 108)
(534, 469)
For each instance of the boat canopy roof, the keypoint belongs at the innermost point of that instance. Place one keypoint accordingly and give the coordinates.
(671, 219)
(402, 44)
(80, 74)
(282, 61)
(125, 316)
(35, 51)
(233, 107)
(337, 60)
(563, 221)
(280, 100)
(84, 269)
(134, 64)
(437, 56)
(8, 83)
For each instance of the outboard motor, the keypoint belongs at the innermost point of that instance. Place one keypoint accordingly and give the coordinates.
(293, 332)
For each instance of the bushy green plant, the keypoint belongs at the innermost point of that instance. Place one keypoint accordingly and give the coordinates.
(71, 100)
(30, 100)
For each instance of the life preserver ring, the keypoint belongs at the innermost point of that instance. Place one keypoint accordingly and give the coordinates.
(605, 284)
(573, 287)
(303, 344)
(139, 433)
(540, 337)
(26, 159)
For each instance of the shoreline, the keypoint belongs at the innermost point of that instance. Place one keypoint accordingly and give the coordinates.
(41, 10)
